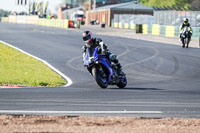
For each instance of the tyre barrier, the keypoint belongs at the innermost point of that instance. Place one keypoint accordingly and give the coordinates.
(58, 23)
(155, 29)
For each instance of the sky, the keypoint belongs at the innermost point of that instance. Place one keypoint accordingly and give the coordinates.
(11, 5)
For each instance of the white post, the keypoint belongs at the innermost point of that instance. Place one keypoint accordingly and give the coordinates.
(94, 5)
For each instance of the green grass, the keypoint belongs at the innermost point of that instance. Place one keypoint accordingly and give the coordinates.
(17, 68)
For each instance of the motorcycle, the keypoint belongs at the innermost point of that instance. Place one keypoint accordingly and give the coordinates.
(103, 70)
(185, 37)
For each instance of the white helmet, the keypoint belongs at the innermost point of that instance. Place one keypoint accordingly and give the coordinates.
(185, 20)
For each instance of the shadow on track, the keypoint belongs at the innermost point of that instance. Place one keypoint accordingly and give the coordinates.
(130, 88)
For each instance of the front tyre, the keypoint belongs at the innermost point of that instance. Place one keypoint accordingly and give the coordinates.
(187, 41)
(123, 82)
(99, 77)
(183, 42)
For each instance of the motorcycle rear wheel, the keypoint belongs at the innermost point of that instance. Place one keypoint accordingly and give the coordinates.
(123, 82)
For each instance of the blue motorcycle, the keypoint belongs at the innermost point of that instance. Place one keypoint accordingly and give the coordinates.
(103, 70)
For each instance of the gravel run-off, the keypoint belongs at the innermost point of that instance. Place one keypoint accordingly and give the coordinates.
(28, 123)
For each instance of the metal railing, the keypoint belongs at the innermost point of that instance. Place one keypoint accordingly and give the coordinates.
(175, 18)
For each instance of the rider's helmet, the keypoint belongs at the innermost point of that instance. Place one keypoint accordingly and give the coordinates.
(87, 37)
(185, 20)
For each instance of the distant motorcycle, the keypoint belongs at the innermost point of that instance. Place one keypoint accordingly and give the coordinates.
(103, 70)
(186, 37)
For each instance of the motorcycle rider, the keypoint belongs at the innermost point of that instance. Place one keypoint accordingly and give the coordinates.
(184, 24)
(92, 43)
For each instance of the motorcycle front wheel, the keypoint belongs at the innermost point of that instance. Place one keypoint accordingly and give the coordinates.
(187, 41)
(99, 77)
(183, 42)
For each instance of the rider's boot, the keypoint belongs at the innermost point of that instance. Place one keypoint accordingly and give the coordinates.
(119, 69)
(113, 58)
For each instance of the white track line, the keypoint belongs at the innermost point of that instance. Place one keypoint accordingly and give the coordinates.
(147, 59)
(77, 112)
(69, 81)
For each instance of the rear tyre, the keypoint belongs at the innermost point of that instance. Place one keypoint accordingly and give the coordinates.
(100, 79)
(123, 82)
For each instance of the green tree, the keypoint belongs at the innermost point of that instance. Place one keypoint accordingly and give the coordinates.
(158, 3)
(195, 4)
(180, 4)
(4, 13)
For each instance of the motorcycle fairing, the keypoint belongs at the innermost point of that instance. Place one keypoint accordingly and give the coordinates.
(103, 61)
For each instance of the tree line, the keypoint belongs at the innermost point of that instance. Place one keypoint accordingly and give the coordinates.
(173, 4)
(4, 13)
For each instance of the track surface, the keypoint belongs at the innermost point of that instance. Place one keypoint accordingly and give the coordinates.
(161, 77)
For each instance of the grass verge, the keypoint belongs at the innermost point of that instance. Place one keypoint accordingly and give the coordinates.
(20, 69)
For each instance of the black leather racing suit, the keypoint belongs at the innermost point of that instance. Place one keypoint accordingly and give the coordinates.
(97, 42)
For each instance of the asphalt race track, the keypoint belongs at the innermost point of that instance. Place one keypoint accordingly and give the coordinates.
(163, 79)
